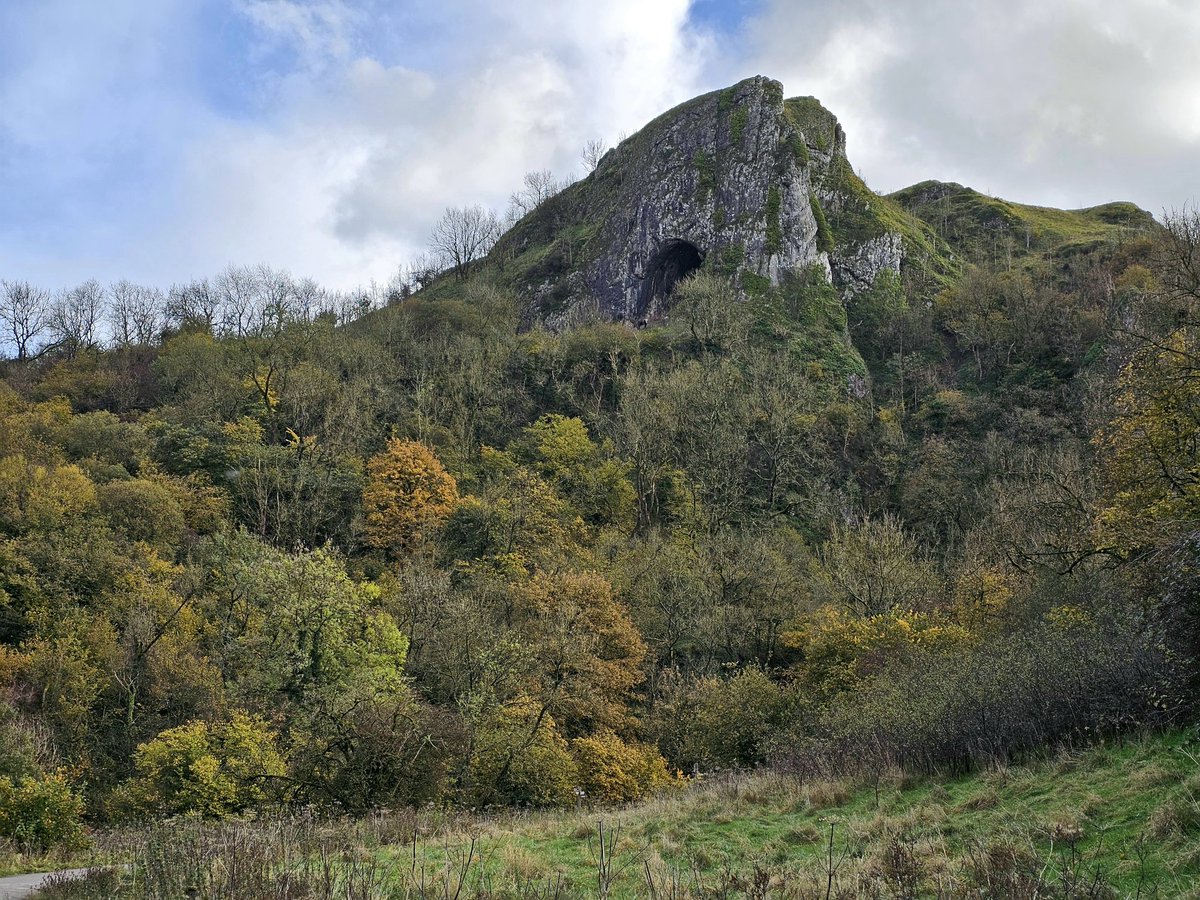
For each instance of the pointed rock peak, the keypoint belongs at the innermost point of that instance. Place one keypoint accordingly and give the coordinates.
(720, 181)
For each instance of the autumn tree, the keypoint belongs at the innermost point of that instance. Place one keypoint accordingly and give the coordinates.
(588, 652)
(1151, 448)
(562, 451)
(408, 494)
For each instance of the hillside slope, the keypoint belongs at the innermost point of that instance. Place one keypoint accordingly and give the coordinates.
(1122, 821)
(979, 227)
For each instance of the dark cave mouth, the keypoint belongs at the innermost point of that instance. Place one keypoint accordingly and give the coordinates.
(672, 262)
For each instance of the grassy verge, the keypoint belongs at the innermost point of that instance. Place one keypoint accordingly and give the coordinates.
(1113, 821)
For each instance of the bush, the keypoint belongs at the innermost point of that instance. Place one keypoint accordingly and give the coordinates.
(210, 769)
(520, 758)
(18, 746)
(714, 723)
(41, 813)
(380, 752)
(612, 771)
(143, 510)
(956, 708)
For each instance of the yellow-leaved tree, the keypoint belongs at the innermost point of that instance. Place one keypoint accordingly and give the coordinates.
(408, 495)
(1150, 451)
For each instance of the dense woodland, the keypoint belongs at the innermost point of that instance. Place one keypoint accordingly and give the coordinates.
(264, 546)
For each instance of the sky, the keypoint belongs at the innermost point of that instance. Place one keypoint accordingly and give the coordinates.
(160, 140)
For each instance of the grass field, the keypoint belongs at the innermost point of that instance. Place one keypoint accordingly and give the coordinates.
(1126, 817)
(1113, 821)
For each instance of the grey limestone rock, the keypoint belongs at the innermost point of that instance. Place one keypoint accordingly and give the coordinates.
(729, 180)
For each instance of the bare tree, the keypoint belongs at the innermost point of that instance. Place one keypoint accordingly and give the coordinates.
(280, 301)
(135, 314)
(418, 274)
(309, 298)
(538, 187)
(593, 152)
(76, 317)
(1177, 259)
(193, 303)
(25, 313)
(255, 301)
(463, 235)
(348, 306)
(236, 300)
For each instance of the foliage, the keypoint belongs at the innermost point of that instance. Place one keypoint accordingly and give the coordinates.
(589, 653)
(210, 769)
(612, 771)
(413, 550)
(1152, 448)
(41, 813)
(584, 473)
(875, 568)
(939, 710)
(519, 757)
(408, 493)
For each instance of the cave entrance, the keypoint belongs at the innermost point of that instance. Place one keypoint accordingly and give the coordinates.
(674, 261)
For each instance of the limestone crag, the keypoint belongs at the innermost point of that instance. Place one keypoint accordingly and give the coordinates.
(734, 181)
(855, 267)
(717, 178)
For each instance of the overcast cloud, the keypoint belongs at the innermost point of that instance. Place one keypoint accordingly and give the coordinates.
(161, 139)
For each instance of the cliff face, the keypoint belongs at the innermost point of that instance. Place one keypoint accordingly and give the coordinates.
(720, 179)
(738, 181)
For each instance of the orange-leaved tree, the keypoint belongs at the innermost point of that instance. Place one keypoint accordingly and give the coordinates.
(408, 494)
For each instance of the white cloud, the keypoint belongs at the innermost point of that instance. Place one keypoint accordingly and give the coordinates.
(345, 181)
(360, 120)
(1069, 103)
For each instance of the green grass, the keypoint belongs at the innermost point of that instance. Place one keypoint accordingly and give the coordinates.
(1111, 809)
(14, 862)
(1120, 820)
(980, 227)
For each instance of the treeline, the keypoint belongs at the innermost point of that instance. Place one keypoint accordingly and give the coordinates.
(429, 557)
(91, 316)
(247, 299)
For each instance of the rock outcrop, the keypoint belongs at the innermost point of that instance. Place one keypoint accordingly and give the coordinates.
(738, 181)
(720, 178)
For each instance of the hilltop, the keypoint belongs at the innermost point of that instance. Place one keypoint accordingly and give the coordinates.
(752, 186)
(980, 227)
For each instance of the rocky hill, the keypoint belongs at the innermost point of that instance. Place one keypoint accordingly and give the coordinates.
(739, 180)
(755, 186)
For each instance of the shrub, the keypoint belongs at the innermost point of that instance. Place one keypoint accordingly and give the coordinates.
(210, 769)
(18, 746)
(612, 771)
(520, 758)
(713, 723)
(142, 510)
(41, 813)
(954, 708)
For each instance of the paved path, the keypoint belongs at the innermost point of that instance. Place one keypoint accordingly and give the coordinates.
(16, 887)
